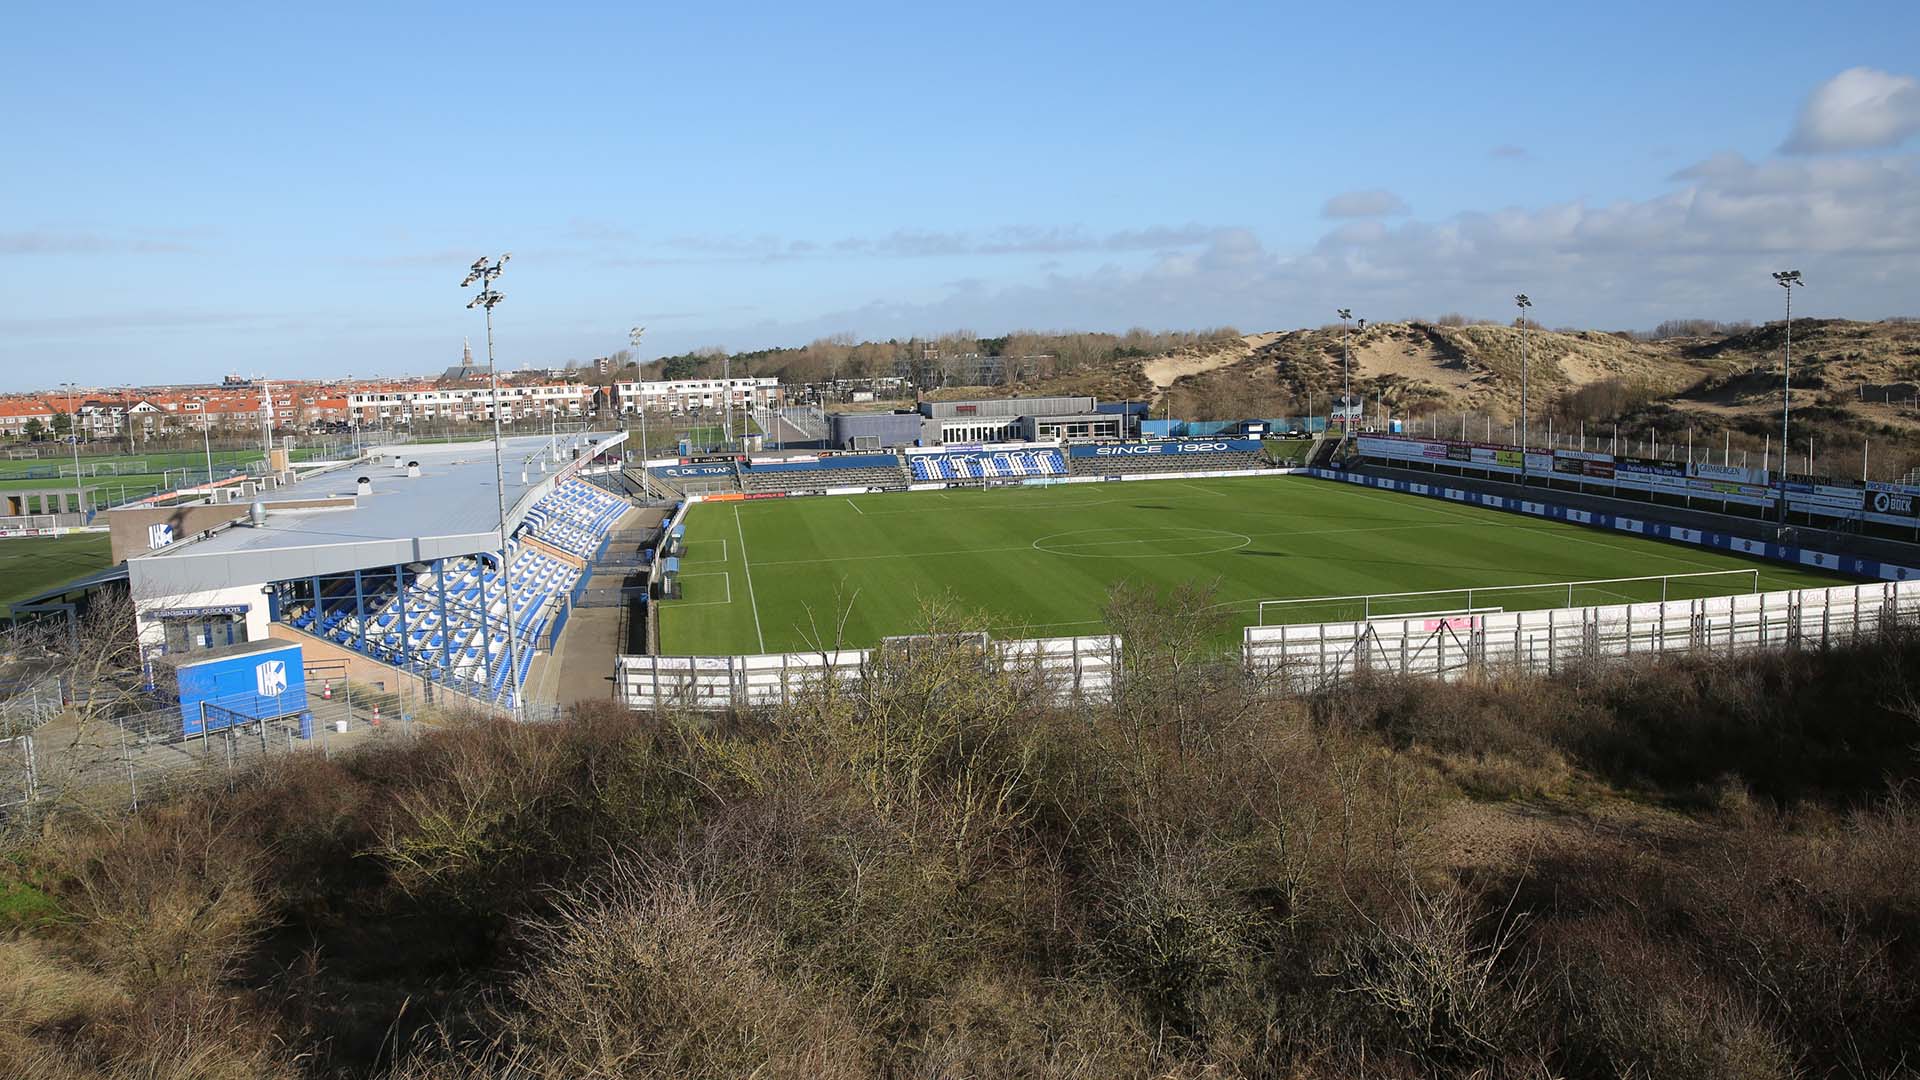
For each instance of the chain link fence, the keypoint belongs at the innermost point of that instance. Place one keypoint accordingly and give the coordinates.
(69, 760)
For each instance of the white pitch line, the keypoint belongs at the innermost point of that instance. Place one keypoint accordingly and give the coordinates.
(856, 506)
(725, 578)
(747, 568)
(1029, 546)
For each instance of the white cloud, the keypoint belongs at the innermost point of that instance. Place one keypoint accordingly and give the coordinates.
(1375, 202)
(934, 243)
(1859, 109)
(139, 242)
(1703, 248)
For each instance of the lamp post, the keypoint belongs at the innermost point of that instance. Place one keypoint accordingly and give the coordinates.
(1786, 279)
(1523, 303)
(486, 299)
(73, 439)
(633, 339)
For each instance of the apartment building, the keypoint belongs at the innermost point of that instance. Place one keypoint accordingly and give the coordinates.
(694, 395)
(464, 404)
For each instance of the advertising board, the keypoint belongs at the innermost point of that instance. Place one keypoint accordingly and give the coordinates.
(1168, 448)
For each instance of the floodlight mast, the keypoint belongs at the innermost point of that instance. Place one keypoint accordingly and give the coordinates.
(73, 437)
(486, 299)
(633, 339)
(1346, 374)
(1786, 279)
(1523, 303)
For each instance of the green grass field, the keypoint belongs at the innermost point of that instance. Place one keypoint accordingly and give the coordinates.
(773, 575)
(664, 431)
(134, 475)
(33, 563)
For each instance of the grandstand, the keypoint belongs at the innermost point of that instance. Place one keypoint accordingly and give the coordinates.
(690, 478)
(575, 517)
(390, 565)
(801, 474)
(445, 620)
(1173, 456)
(994, 465)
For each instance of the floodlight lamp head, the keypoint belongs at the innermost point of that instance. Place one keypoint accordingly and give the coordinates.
(1522, 301)
(1344, 313)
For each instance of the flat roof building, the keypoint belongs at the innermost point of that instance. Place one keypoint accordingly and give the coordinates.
(396, 555)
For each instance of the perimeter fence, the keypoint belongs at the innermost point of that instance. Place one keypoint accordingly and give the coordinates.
(66, 759)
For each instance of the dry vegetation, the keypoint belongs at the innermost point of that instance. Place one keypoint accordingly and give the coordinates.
(1704, 868)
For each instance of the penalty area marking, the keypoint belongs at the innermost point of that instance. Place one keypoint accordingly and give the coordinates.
(725, 579)
(721, 540)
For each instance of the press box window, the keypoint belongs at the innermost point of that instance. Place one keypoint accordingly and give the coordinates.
(200, 633)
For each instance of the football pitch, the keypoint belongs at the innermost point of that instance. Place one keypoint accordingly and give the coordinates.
(115, 478)
(32, 563)
(779, 575)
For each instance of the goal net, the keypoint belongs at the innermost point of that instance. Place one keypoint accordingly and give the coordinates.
(1525, 597)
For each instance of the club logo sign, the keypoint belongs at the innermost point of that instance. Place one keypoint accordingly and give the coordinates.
(1886, 502)
(159, 535)
(271, 678)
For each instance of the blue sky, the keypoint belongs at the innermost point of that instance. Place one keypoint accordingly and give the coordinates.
(298, 191)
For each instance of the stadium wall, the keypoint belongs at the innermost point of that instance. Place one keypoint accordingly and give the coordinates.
(1893, 505)
(1080, 669)
(1312, 656)
(1639, 526)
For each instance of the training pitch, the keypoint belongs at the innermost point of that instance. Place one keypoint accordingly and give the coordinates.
(787, 575)
(30, 564)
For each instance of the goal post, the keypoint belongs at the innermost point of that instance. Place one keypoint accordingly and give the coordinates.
(1651, 588)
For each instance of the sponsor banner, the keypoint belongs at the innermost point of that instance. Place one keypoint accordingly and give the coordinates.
(1831, 500)
(1539, 463)
(751, 495)
(1598, 470)
(1649, 467)
(1858, 567)
(710, 469)
(1569, 466)
(1459, 453)
(705, 459)
(1735, 474)
(1170, 448)
(194, 612)
(1893, 507)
